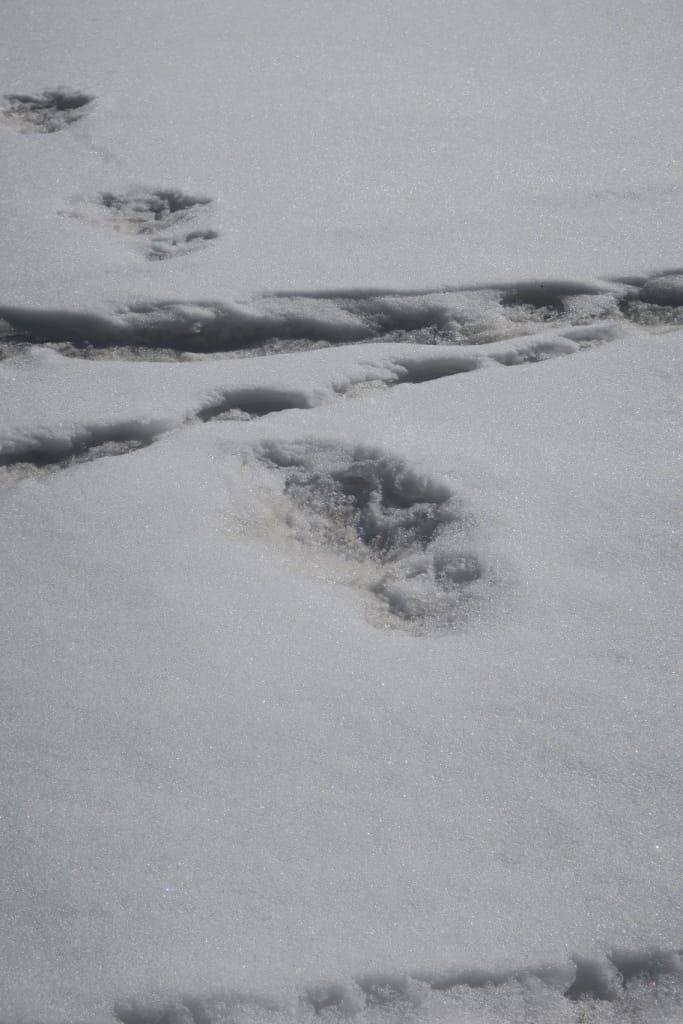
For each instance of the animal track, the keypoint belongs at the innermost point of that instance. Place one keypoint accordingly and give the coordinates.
(172, 222)
(51, 111)
(370, 506)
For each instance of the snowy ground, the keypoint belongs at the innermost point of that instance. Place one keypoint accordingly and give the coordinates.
(340, 378)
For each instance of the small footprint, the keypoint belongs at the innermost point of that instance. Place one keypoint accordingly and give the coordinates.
(172, 223)
(50, 111)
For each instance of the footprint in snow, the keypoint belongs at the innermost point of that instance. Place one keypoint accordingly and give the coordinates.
(171, 222)
(51, 111)
(372, 507)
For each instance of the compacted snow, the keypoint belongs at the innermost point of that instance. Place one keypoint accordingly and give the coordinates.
(340, 487)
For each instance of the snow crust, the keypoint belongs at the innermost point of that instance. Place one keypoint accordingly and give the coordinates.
(340, 377)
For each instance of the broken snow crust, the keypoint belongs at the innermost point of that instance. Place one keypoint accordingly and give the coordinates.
(242, 769)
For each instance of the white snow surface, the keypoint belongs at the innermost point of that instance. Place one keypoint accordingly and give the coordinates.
(341, 145)
(235, 766)
(340, 491)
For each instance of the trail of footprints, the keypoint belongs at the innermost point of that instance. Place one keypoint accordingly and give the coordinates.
(361, 502)
(243, 404)
(171, 222)
(415, 541)
(168, 223)
(367, 506)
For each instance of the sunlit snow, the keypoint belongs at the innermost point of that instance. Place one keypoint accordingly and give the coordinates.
(340, 387)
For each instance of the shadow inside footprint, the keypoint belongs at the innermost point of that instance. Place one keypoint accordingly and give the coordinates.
(658, 302)
(147, 211)
(171, 219)
(376, 498)
(51, 111)
(367, 505)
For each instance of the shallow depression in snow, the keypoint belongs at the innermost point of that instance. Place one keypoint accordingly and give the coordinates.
(169, 222)
(371, 506)
(50, 111)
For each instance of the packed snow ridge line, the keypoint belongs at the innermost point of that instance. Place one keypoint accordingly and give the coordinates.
(371, 507)
(249, 402)
(45, 449)
(171, 222)
(245, 403)
(50, 111)
(587, 981)
(292, 321)
(49, 448)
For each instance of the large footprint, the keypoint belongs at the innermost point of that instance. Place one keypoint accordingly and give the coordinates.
(368, 505)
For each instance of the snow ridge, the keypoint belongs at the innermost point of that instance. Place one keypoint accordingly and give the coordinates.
(47, 449)
(59, 446)
(638, 986)
(291, 321)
